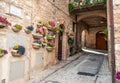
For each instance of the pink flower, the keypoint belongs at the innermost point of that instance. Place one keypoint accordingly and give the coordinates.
(118, 75)
(52, 23)
(4, 20)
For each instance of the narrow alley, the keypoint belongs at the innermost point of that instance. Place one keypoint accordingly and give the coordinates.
(66, 71)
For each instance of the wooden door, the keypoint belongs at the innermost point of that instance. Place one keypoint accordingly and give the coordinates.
(101, 42)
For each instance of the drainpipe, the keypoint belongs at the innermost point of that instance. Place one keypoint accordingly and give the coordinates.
(111, 38)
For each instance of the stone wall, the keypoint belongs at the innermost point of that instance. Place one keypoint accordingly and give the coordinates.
(91, 37)
(117, 32)
(34, 60)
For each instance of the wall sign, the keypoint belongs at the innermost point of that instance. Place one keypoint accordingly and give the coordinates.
(15, 10)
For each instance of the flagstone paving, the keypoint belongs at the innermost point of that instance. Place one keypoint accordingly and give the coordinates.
(66, 72)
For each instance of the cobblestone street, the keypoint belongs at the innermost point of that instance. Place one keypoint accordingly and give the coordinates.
(66, 72)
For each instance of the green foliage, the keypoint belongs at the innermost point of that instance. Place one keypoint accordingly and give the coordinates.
(105, 31)
(18, 26)
(70, 41)
(30, 28)
(57, 28)
(1, 51)
(50, 45)
(70, 7)
(86, 2)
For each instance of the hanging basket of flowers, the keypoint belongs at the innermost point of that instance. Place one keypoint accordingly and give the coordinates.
(40, 23)
(28, 29)
(37, 44)
(50, 36)
(52, 23)
(57, 29)
(3, 52)
(71, 35)
(18, 51)
(4, 22)
(37, 35)
(17, 28)
(49, 47)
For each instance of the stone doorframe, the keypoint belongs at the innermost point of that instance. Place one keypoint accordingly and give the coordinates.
(64, 44)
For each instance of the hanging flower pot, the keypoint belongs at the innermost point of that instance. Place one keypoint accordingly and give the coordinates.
(3, 52)
(18, 51)
(15, 54)
(28, 29)
(50, 47)
(4, 22)
(57, 29)
(2, 25)
(71, 35)
(36, 45)
(17, 28)
(37, 35)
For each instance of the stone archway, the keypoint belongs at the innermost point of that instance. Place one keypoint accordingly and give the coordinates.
(100, 13)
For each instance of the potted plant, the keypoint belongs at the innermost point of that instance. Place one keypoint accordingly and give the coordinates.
(46, 24)
(29, 29)
(37, 44)
(4, 22)
(50, 36)
(57, 29)
(71, 35)
(18, 51)
(49, 47)
(3, 52)
(38, 33)
(40, 23)
(17, 28)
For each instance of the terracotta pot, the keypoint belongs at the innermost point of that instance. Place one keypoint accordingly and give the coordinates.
(57, 31)
(35, 36)
(35, 46)
(1, 55)
(15, 54)
(2, 25)
(49, 49)
(27, 31)
(15, 30)
(50, 28)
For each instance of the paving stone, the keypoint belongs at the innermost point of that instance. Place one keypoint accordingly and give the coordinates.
(91, 65)
(67, 73)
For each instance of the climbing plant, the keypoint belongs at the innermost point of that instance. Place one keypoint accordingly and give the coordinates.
(70, 7)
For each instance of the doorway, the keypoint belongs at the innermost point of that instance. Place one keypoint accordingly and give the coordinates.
(60, 39)
(101, 42)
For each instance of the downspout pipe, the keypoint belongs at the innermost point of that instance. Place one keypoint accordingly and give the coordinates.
(111, 38)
